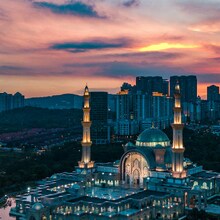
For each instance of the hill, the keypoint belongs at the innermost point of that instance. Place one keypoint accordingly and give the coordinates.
(32, 117)
(65, 101)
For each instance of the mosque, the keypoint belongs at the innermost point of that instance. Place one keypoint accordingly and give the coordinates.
(152, 180)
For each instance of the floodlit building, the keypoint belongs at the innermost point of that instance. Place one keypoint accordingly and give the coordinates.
(152, 180)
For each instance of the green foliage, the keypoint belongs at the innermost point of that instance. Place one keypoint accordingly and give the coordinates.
(22, 168)
(31, 117)
(195, 214)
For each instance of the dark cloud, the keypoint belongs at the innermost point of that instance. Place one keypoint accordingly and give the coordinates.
(15, 71)
(209, 78)
(149, 55)
(9, 68)
(125, 69)
(73, 8)
(130, 3)
(215, 59)
(3, 15)
(208, 11)
(77, 47)
(118, 69)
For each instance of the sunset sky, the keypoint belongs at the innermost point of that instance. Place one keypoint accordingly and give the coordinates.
(57, 46)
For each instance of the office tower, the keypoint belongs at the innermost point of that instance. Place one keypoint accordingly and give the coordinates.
(213, 93)
(149, 84)
(156, 84)
(123, 105)
(142, 84)
(161, 110)
(126, 123)
(165, 89)
(188, 87)
(141, 106)
(100, 132)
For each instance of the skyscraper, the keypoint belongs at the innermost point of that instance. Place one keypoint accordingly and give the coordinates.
(149, 84)
(126, 123)
(213, 93)
(99, 115)
(188, 87)
(165, 87)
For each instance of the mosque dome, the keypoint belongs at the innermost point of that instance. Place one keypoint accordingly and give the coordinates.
(38, 206)
(152, 137)
(128, 146)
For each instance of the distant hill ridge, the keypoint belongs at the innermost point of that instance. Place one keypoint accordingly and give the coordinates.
(64, 101)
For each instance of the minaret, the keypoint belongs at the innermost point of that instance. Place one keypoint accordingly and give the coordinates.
(177, 148)
(86, 143)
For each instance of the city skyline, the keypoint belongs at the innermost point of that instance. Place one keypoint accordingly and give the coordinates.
(56, 46)
(115, 90)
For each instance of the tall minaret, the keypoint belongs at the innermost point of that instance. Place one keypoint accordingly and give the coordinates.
(86, 162)
(177, 148)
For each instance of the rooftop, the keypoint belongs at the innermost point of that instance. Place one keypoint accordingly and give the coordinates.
(135, 195)
(205, 174)
(153, 137)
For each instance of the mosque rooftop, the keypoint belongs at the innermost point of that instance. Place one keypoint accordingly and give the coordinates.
(205, 174)
(153, 137)
(135, 195)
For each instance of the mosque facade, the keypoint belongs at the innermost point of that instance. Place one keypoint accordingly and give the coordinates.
(152, 180)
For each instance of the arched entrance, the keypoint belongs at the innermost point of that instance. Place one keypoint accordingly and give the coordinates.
(133, 168)
(43, 217)
(136, 177)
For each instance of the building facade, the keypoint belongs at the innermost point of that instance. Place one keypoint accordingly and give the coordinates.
(213, 93)
(9, 101)
(188, 87)
(100, 130)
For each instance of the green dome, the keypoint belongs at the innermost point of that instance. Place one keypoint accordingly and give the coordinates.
(38, 206)
(152, 137)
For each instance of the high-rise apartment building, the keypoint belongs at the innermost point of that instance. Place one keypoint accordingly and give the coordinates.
(99, 117)
(138, 111)
(188, 87)
(149, 84)
(165, 90)
(18, 100)
(9, 101)
(213, 93)
(126, 123)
